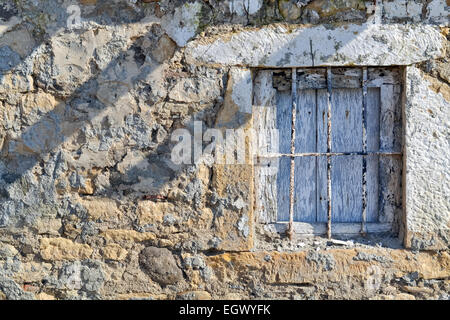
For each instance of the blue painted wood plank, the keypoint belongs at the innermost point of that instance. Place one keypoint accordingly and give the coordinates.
(305, 168)
(305, 189)
(284, 120)
(346, 124)
(283, 178)
(346, 188)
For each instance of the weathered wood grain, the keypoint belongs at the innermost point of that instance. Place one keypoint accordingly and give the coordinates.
(346, 183)
(305, 189)
(306, 124)
(347, 121)
(338, 228)
(283, 179)
(313, 78)
(390, 180)
(264, 123)
(382, 150)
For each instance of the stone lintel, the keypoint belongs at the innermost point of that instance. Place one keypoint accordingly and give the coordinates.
(348, 45)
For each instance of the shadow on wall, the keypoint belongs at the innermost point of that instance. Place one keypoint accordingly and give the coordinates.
(106, 113)
(106, 116)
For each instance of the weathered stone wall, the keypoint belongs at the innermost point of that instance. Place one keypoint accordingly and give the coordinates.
(91, 205)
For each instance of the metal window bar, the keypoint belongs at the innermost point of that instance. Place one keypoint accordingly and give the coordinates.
(292, 175)
(364, 146)
(329, 152)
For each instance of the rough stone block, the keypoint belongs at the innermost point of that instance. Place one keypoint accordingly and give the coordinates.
(63, 249)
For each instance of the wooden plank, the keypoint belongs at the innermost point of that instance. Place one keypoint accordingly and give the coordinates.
(390, 180)
(305, 189)
(321, 192)
(283, 179)
(322, 105)
(284, 126)
(305, 140)
(264, 123)
(305, 168)
(314, 78)
(319, 154)
(266, 193)
(390, 168)
(390, 118)
(346, 182)
(347, 121)
(284, 119)
(372, 188)
(347, 171)
(304, 228)
(398, 119)
(378, 77)
(373, 145)
(346, 78)
(373, 116)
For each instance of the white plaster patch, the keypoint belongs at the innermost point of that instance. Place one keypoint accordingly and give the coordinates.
(403, 9)
(242, 7)
(395, 9)
(243, 226)
(373, 44)
(375, 11)
(20, 40)
(6, 25)
(438, 12)
(414, 10)
(182, 26)
(427, 144)
(242, 88)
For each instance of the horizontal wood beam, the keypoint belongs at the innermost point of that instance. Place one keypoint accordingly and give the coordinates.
(342, 78)
(324, 154)
(338, 228)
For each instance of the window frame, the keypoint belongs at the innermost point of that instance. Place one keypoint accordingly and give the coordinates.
(265, 89)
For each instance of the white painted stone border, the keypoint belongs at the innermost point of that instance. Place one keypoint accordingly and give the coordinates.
(350, 45)
(426, 164)
(426, 220)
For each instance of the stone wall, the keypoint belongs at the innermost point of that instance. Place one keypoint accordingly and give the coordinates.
(93, 207)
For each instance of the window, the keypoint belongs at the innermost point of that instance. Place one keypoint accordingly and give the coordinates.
(339, 157)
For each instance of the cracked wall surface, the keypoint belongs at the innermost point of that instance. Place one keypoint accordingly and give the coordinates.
(91, 205)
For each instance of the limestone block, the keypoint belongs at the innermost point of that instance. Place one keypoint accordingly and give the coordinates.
(114, 252)
(101, 208)
(63, 249)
